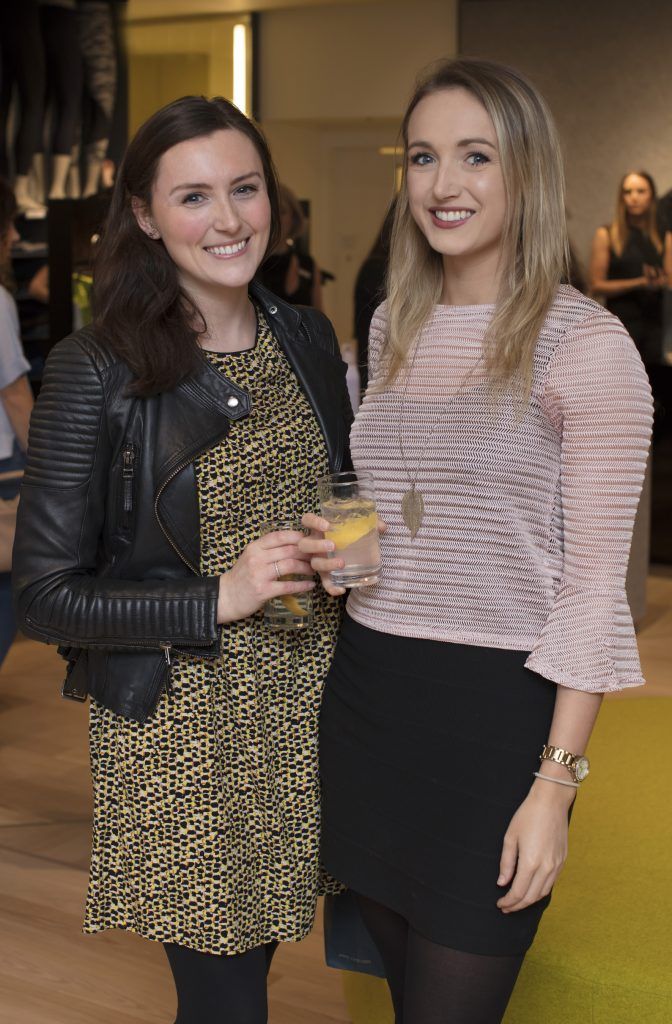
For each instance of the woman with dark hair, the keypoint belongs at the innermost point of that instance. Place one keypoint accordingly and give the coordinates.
(16, 403)
(195, 409)
(289, 270)
(631, 264)
(506, 422)
(370, 291)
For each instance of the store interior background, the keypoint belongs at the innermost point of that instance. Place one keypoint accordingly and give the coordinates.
(332, 81)
(328, 82)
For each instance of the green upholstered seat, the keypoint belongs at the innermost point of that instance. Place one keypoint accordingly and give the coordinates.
(603, 953)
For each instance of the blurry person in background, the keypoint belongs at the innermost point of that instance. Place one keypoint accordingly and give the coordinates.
(289, 271)
(665, 214)
(195, 409)
(631, 264)
(16, 404)
(370, 291)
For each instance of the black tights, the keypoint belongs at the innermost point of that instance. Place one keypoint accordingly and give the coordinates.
(432, 984)
(220, 989)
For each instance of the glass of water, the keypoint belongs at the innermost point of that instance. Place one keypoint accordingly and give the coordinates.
(289, 611)
(348, 501)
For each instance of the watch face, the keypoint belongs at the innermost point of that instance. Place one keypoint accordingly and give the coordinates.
(581, 767)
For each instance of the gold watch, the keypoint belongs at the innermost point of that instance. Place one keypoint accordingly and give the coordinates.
(577, 765)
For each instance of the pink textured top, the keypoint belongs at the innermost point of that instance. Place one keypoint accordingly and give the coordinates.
(528, 521)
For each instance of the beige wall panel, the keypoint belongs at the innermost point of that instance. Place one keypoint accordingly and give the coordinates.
(353, 61)
(157, 79)
(349, 185)
(606, 69)
(176, 58)
(334, 83)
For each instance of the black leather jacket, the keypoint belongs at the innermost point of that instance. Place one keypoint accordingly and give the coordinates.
(107, 543)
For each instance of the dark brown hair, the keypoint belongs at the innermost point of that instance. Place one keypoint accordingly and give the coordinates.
(7, 215)
(140, 309)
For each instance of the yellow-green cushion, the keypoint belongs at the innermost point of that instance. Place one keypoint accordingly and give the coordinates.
(603, 953)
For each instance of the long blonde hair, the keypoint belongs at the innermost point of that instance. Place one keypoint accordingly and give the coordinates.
(535, 245)
(619, 229)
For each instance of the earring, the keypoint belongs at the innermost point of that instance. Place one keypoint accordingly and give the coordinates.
(153, 233)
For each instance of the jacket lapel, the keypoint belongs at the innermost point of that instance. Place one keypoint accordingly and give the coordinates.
(192, 418)
(313, 365)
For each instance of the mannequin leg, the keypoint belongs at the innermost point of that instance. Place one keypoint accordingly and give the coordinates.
(26, 205)
(60, 166)
(95, 154)
(74, 183)
(30, 81)
(36, 182)
(22, 60)
(96, 38)
(65, 84)
(6, 89)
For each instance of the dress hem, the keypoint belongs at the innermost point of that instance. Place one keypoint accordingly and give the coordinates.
(180, 940)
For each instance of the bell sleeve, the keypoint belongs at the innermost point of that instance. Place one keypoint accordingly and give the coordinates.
(597, 394)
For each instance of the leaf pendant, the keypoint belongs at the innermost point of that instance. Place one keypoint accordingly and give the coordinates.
(413, 510)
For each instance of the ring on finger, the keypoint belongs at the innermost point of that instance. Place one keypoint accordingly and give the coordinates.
(278, 574)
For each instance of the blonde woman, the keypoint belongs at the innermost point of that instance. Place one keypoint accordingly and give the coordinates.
(631, 264)
(507, 422)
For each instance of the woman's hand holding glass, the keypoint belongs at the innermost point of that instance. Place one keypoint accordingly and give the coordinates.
(318, 548)
(255, 577)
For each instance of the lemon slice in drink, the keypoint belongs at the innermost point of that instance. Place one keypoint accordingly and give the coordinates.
(292, 605)
(351, 530)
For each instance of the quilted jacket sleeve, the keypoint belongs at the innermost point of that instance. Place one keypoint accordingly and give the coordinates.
(58, 594)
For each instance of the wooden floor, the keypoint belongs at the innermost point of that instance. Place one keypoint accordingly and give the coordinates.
(49, 972)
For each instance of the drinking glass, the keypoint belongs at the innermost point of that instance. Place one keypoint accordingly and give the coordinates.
(348, 501)
(289, 611)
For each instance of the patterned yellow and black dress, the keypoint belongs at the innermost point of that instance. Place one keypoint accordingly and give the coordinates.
(206, 818)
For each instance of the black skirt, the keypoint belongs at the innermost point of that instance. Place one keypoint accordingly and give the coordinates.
(427, 749)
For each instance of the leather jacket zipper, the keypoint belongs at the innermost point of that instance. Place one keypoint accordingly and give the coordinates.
(166, 653)
(178, 469)
(158, 518)
(127, 474)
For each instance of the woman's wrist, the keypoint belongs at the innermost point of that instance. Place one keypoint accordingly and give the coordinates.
(225, 612)
(551, 786)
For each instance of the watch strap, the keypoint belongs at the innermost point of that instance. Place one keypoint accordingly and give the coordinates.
(561, 756)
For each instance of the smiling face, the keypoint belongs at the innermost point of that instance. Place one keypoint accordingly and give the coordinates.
(210, 208)
(637, 195)
(455, 184)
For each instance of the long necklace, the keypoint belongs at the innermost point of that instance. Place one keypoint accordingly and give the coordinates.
(412, 501)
